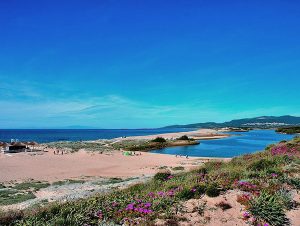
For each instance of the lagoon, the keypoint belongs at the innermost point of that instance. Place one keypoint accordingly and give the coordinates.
(239, 143)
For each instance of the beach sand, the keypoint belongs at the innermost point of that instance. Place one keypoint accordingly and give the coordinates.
(201, 134)
(45, 166)
(50, 167)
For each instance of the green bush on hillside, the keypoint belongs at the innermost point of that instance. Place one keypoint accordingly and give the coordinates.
(261, 164)
(186, 194)
(184, 137)
(268, 207)
(212, 190)
(162, 176)
(159, 140)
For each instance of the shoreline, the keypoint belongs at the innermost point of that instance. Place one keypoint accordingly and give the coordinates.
(46, 166)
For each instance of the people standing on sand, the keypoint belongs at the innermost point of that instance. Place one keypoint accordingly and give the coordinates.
(187, 156)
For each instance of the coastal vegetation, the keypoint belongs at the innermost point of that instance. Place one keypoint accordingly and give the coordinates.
(74, 146)
(103, 146)
(289, 130)
(148, 145)
(264, 184)
(184, 137)
(159, 140)
(20, 192)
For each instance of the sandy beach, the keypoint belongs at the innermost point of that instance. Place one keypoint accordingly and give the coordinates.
(49, 167)
(201, 134)
(45, 166)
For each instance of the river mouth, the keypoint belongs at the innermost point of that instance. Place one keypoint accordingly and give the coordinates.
(238, 144)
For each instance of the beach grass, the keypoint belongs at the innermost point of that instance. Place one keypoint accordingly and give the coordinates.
(9, 197)
(31, 185)
(69, 181)
(148, 145)
(74, 146)
(178, 168)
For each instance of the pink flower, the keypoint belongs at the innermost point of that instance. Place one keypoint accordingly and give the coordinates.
(151, 194)
(161, 193)
(246, 214)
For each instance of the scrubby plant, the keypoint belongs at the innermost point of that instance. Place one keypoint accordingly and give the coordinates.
(268, 207)
(261, 164)
(184, 137)
(186, 194)
(212, 190)
(295, 182)
(159, 140)
(244, 199)
(199, 190)
(177, 168)
(200, 208)
(286, 198)
(162, 176)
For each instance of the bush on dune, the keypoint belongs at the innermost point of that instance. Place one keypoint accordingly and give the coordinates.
(159, 140)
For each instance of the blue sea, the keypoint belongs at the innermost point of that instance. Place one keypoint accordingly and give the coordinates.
(50, 135)
(238, 144)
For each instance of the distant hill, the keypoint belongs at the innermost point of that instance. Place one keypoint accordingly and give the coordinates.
(258, 122)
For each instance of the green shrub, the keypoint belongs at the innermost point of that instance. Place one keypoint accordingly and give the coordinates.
(212, 190)
(184, 137)
(176, 168)
(269, 208)
(35, 185)
(261, 164)
(202, 170)
(186, 194)
(199, 190)
(159, 140)
(289, 130)
(286, 198)
(162, 176)
(295, 182)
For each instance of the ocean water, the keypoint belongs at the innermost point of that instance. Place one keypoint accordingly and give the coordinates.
(50, 135)
(238, 144)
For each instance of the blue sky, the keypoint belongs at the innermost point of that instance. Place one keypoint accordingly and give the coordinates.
(137, 64)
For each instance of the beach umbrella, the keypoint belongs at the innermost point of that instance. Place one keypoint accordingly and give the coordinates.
(126, 153)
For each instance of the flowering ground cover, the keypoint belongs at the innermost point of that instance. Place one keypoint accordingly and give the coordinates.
(265, 182)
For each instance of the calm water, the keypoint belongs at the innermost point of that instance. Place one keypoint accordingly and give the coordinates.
(49, 135)
(241, 143)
